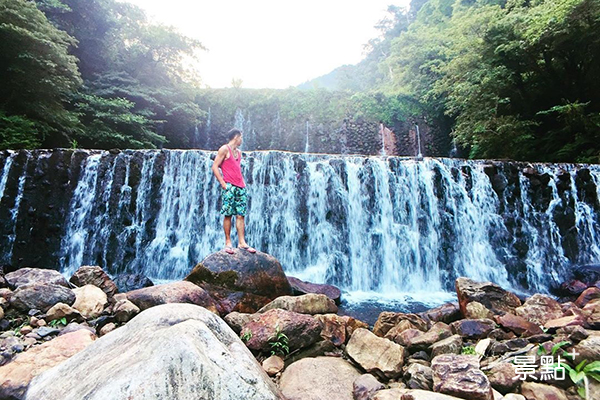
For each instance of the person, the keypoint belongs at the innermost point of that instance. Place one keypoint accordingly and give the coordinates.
(233, 189)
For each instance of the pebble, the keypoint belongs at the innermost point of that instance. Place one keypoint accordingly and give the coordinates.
(46, 331)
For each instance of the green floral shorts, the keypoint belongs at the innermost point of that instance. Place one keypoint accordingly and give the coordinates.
(234, 200)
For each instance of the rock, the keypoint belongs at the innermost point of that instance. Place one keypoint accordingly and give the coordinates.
(338, 329)
(592, 310)
(301, 330)
(106, 329)
(503, 378)
(518, 325)
(228, 301)
(405, 337)
(395, 333)
(476, 310)
(91, 275)
(129, 282)
(319, 378)
(570, 320)
(588, 295)
(446, 313)
(124, 310)
(236, 320)
(390, 394)
(300, 287)
(5, 294)
(90, 301)
(25, 330)
(30, 276)
(575, 333)
(417, 394)
(574, 287)
(258, 273)
(589, 349)
(365, 386)
(376, 355)
(273, 365)
(176, 350)
(387, 320)
(460, 376)
(175, 292)
(306, 304)
(74, 326)
(419, 377)
(514, 396)
(492, 296)
(46, 331)
(473, 328)
(451, 345)
(439, 331)
(538, 391)
(1, 313)
(322, 348)
(539, 309)
(41, 296)
(17, 375)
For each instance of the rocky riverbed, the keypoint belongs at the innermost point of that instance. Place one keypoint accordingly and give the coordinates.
(237, 328)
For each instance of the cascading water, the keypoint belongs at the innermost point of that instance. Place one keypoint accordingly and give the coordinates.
(385, 225)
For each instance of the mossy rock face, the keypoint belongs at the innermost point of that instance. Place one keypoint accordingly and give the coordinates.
(259, 273)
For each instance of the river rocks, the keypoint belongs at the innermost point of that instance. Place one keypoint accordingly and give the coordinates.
(301, 330)
(473, 328)
(338, 328)
(90, 301)
(15, 376)
(592, 310)
(273, 365)
(446, 313)
(439, 331)
(589, 349)
(539, 309)
(41, 296)
(476, 310)
(29, 276)
(176, 292)
(387, 320)
(169, 351)
(62, 310)
(319, 378)
(376, 355)
(503, 377)
(128, 282)
(419, 376)
(124, 310)
(300, 287)
(571, 320)
(237, 320)
(518, 325)
(492, 296)
(538, 391)
(451, 345)
(257, 273)
(305, 304)
(91, 275)
(588, 295)
(460, 376)
(365, 386)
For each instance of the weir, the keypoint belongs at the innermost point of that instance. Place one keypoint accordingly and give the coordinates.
(375, 224)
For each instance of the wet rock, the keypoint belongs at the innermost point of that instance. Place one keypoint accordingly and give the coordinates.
(167, 343)
(176, 292)
(473, 328)
(301, 330)
(93, 275)
(451, 345)
(503, 378)
(41, 296)
(319, 378)
(418, 376)
(376, 355)
(273, 365)
(588, 295)
(30, 276)
(518, 325)
(460, 376)
(538, 391)
(258, 273)
(128, 282)
(539, 308)
(446, 313)
(300, 287)
(18, 373)
(90, 301)
(387, 320)
(492, 296)
(365, 386)
(304, 304)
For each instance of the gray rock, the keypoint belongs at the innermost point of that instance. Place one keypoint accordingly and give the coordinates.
(365, 385)
(29, 276)
(419, 377)
(460, 376)
(41, 296)
(451, 345)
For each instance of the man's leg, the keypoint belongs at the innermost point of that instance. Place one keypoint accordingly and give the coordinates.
(240, 227)
(227, 229)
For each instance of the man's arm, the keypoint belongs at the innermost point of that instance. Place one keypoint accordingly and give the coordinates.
(217, 163)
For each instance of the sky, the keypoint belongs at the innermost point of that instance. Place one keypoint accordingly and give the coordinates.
(269, 43)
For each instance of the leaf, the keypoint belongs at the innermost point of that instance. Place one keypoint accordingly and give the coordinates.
(558, 345)
(592, 367)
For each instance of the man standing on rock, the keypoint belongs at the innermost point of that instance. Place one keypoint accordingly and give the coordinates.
(233, 189)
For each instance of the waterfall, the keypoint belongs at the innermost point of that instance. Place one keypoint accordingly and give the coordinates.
(306, 142)
(385, 225)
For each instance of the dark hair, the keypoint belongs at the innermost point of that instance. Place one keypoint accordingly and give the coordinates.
(233, 133)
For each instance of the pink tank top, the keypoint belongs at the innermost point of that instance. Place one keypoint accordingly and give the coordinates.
(232, 170)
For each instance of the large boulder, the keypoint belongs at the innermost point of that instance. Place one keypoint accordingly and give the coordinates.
(175, 292)
(305, 304)
(319, 378)
(492, 296)
(41, 296)
(90, 301)
(172, 351)
(301, 287)
(29, 276)
(539, 308)
(92, 275)
(460, 376)
(376, 355)
(16, 375)
(261, 331)
(259, 273)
